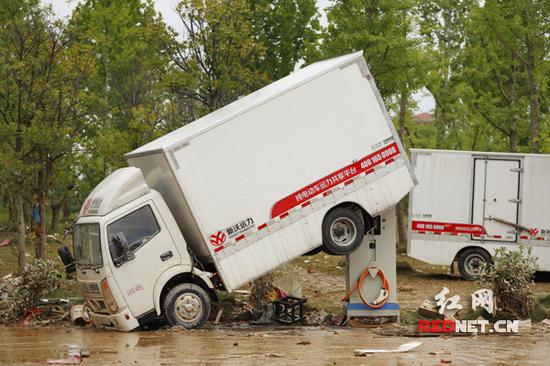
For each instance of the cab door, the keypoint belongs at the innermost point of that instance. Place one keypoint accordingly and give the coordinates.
(496, 197)
(151, 251)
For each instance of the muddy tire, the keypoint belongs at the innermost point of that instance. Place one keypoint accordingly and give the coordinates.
(472, 261)
(187, 306)
(343, 231)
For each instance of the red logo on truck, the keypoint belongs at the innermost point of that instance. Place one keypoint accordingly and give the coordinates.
(217, 239)
(365, 165)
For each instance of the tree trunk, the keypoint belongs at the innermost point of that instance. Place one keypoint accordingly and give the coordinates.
(513, 137)
(13, 213)
(66, 208)
(20, 223)
(41, 231)
(400, 209)
(56, 209)
(533, 98)
(42, 248)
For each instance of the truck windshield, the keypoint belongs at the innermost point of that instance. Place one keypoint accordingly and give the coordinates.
(87, 245)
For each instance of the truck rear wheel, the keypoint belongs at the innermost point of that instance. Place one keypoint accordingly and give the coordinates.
(471, 262)
(343, 231)
(187, 305)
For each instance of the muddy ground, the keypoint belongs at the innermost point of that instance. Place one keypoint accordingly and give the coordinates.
(280, 346)
(322, 280)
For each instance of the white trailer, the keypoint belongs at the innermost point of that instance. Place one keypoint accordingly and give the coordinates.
(308, 160)
(467, 204)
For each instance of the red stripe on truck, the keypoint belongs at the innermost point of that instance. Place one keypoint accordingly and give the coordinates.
(448, 228)
(342, 175)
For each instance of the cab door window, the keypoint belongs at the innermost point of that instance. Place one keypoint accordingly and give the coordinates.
(131, 232)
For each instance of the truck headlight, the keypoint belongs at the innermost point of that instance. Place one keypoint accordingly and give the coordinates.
(108, 296)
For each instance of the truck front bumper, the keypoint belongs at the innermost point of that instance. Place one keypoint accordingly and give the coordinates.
(123, 320)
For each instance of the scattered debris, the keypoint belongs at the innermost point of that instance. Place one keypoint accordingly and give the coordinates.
(52, 237)
(303, 343)
(80, 315)
(70, 360)
(289, 309)
(405, 288)
(405, 347)
(317, 317)
(445, 360)
(39, 279)
(546, 322)
(218, 317)
(242, 292)
(266, 318)
(5, 243)
(430, 310)
(75, 354)
(274, 355)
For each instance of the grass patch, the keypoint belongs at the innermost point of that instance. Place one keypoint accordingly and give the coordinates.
(410, 316)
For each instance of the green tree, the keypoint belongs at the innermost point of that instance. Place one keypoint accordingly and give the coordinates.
(42, 88)
(495, 76)
(285, 28)
(509, 64)
(128, 102)
(216, 56)
(443, 30)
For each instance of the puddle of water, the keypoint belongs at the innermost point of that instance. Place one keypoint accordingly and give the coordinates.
(226, 346)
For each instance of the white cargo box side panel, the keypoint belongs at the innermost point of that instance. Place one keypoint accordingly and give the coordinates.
(238, 170)
(443, 191)
(443, 195)
(535, 196)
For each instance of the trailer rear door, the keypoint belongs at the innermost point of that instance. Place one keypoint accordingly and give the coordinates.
(496, 195)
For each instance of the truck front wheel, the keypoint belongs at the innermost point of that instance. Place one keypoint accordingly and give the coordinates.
(343, 231)
(187, 305)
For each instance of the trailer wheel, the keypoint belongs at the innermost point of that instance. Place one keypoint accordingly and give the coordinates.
(342, 231)
(187, 306)
(471, 262)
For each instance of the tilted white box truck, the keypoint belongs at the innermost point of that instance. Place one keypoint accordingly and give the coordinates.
(306, 161)
(467, 204)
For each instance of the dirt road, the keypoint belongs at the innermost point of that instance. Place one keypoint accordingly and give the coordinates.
(311, 346)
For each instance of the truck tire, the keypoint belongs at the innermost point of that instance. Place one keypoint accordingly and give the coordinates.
(472, 261)
(343, 231)
(187, 306)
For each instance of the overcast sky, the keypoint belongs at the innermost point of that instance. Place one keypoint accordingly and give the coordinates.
(63, 8)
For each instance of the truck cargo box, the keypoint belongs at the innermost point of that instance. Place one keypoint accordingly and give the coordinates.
(249, 184)
(469, 203)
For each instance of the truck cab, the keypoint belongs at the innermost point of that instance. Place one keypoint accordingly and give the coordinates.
(132, 262)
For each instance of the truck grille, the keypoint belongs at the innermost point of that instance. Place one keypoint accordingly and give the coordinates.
(89, 289)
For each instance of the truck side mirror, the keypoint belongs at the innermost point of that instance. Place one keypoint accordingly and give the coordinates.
(67, 259)
(123, 253)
